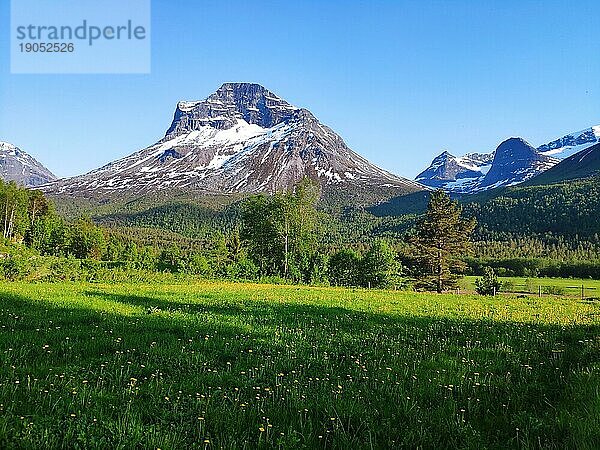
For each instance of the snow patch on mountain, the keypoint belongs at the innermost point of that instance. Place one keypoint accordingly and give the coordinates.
(469, 173)
(242, 138)
(20, 167)
(571, 144)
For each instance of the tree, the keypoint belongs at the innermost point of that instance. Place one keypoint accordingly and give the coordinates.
(280, 230)
(85, 240)
(440, 239)
(260, 233)
(38, 206)
(489, 283)
(343, 268)
(14, 203)
(378, 267)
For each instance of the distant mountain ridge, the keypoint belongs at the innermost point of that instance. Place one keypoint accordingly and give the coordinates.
(513, 164)
(459, 172)
(582, 165)
(240, 139)
(20, 167)
(570, 144)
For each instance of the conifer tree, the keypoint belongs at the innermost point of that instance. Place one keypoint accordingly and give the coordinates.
(441, 238)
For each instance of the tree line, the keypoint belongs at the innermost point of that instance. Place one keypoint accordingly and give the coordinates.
(279, 236)
(284, 236)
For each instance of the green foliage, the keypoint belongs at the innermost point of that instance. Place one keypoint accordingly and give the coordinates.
(280, 231)
(489, 283)
(85, 240)
(378, 267)
(441, 239)
(14, 267)
(539, 210)
(536, 267)
(344, 268)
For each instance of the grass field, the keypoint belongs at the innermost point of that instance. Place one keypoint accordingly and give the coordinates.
(550, 286)
(222, 365)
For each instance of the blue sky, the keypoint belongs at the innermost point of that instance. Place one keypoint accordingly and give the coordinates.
(400, 81)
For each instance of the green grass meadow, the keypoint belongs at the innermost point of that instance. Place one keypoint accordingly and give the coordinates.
(244, 366)
(569, 287)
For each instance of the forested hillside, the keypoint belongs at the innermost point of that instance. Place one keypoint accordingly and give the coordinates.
(568, 209)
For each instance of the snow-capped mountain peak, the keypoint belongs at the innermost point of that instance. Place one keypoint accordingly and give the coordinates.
(242, 138)
(516, 162)
(459, 173)
(570, 144)
(17, 165)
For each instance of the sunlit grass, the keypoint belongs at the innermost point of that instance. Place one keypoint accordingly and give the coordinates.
(211, 365)
(561, 286)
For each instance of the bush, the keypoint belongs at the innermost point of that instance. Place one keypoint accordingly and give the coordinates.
(378, 267)
(65, 269)
(15, 268)
(343, 268)
(243, 269)
(489, 283)
(553, 290)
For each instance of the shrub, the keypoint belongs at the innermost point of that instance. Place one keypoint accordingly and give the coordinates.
(489, 283)
(14, 268)
(553, 290)
(65, 269)
(343, 268)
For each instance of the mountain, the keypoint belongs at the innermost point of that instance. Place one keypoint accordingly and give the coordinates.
(572, 143)
(469, 174)
(585, 164)
(515, 161)
(18, 166)
(456, 174)
(240, 139)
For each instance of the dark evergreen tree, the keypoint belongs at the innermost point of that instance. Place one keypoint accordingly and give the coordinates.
(489, 283)
(441, 239)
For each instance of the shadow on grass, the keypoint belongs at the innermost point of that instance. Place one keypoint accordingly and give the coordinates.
(501, 347)
(253, 310)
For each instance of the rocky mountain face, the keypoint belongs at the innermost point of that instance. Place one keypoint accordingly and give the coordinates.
(241, 139)
(459, 173)
(22, 168)
(514, 162)
(573, 143)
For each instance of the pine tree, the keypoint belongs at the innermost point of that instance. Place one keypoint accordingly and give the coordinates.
(441, 238)
(489, 283)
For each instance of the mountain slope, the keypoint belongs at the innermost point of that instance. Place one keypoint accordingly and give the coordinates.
(241, 139)
(570, 144)
(515, 161)
(18, 166)
(584, 164)
(457, 174)
(453, 175)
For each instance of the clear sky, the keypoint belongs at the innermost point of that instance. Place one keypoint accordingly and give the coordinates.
(400, 81)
